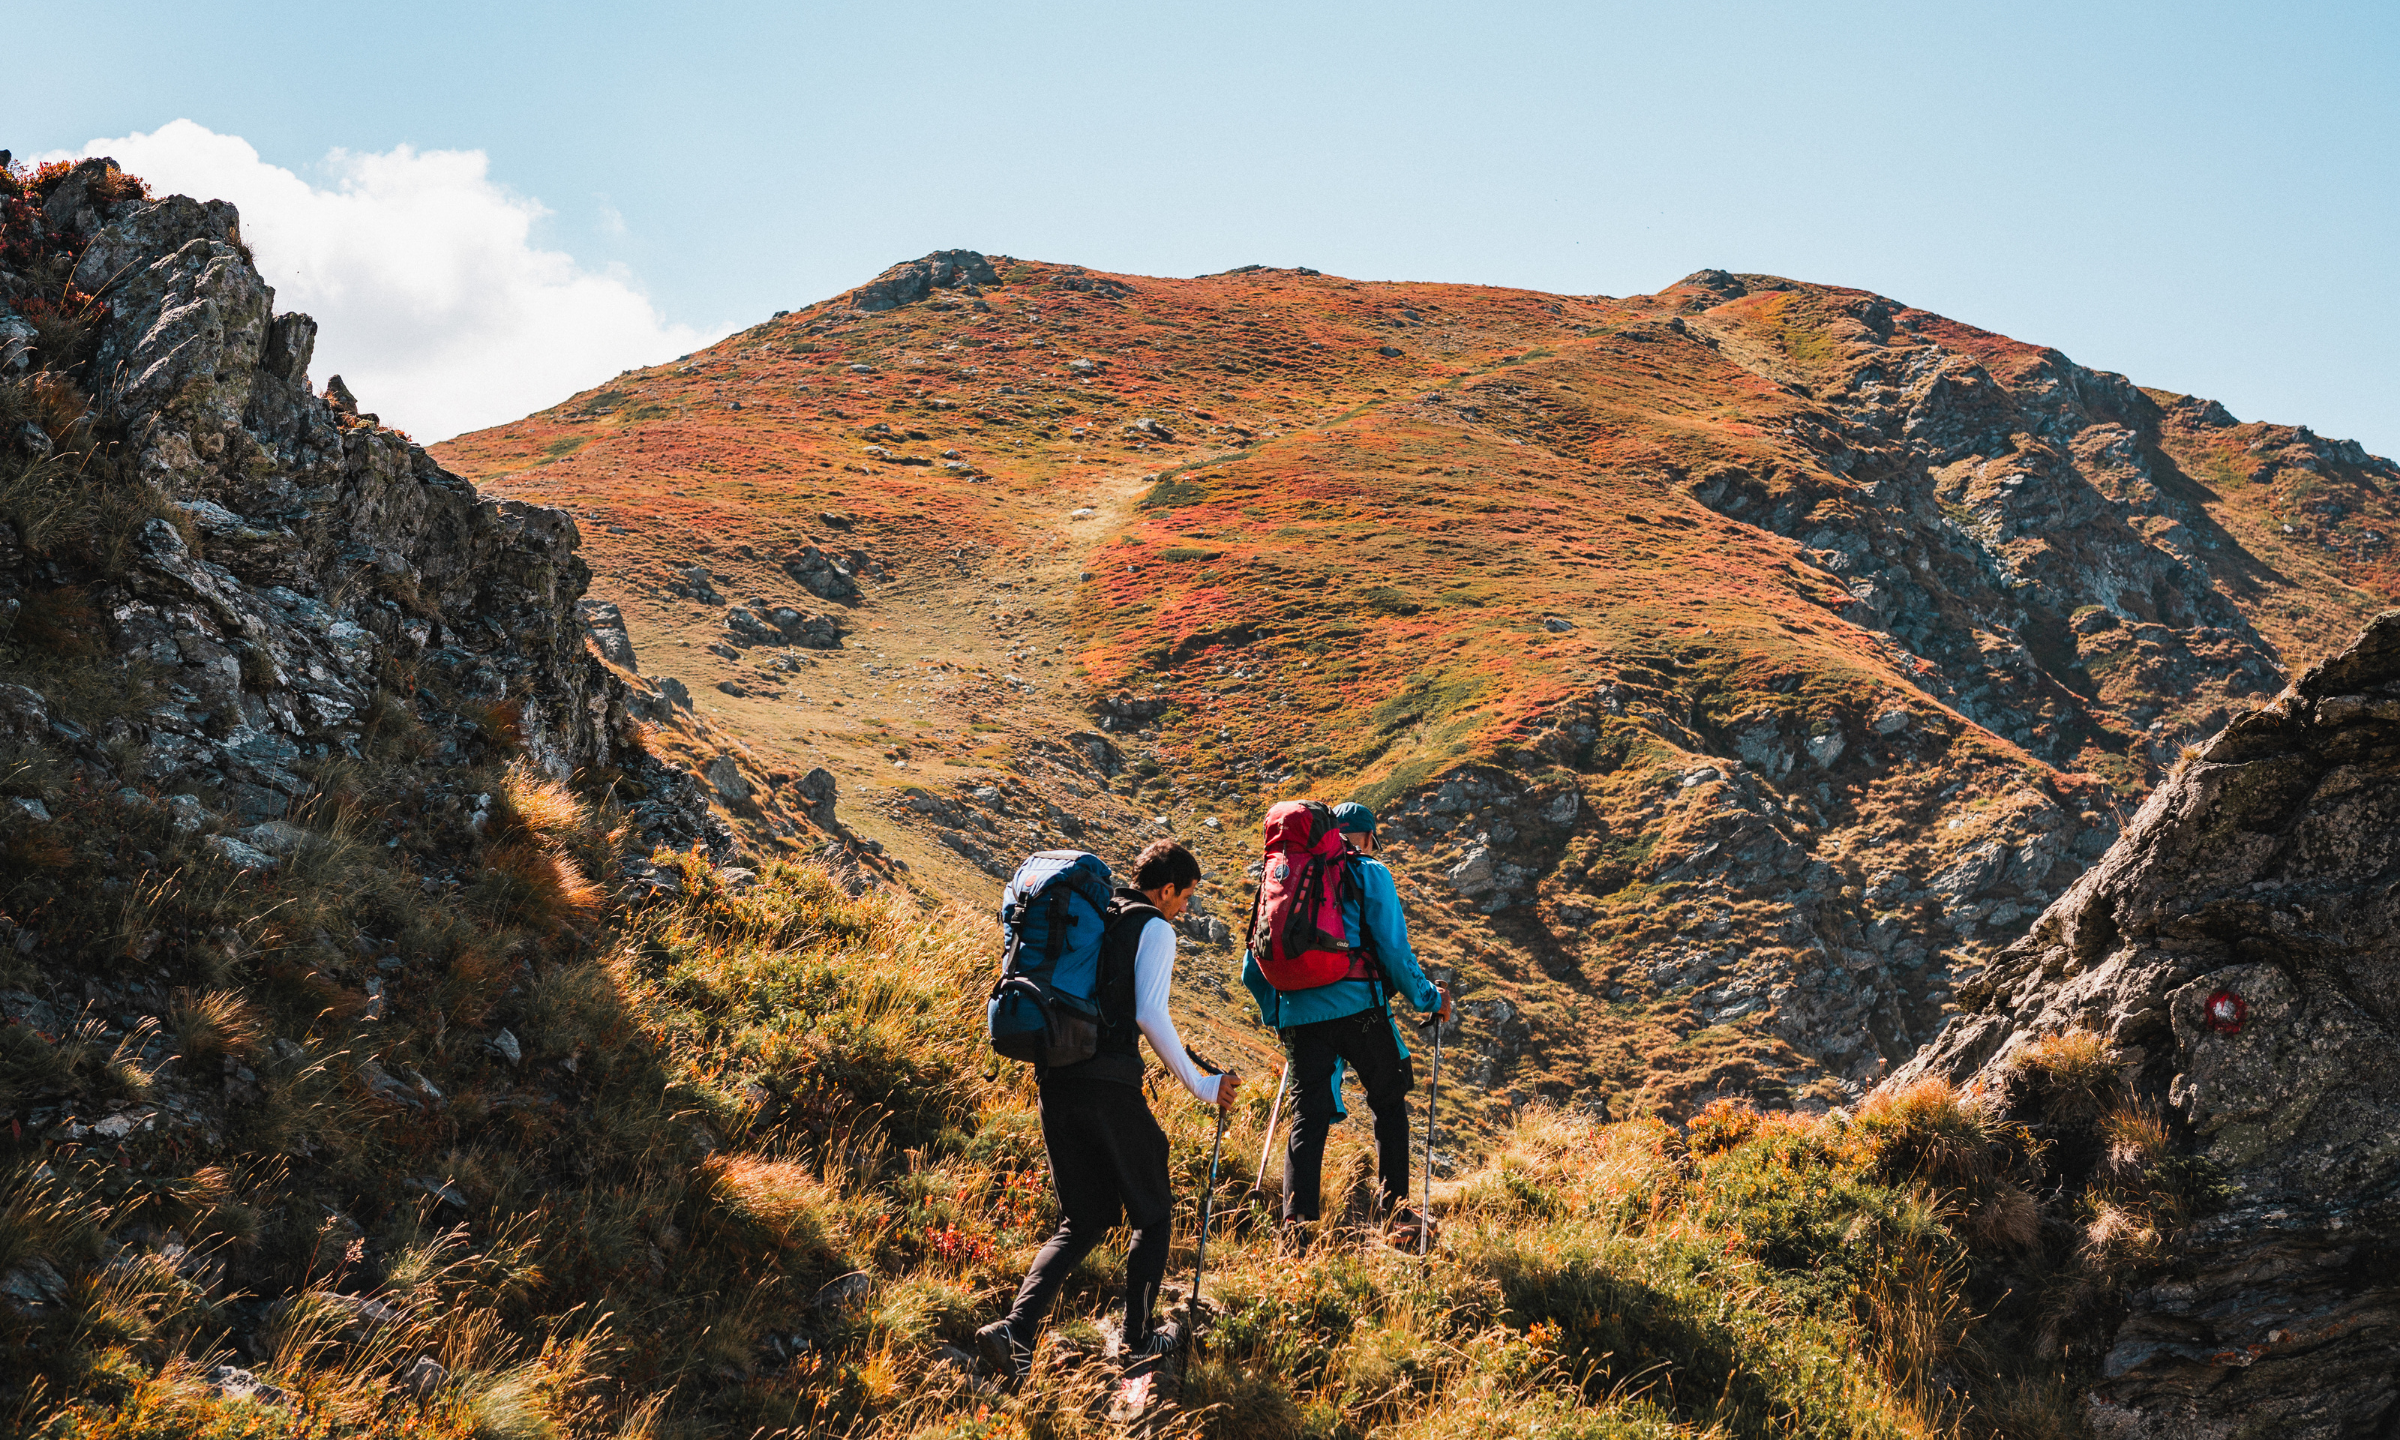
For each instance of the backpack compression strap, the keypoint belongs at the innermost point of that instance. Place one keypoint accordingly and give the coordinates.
(1250, 943)
(1012, 932)
(1059, 921)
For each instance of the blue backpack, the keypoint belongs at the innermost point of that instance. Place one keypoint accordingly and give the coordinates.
(1053, 914)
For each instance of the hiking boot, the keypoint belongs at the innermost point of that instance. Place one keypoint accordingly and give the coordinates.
(1409, 1228)
(1149, 1354)
(997, 1346)
(1294, 1235)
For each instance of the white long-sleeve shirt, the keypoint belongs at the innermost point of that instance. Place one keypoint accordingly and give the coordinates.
(1153, 976)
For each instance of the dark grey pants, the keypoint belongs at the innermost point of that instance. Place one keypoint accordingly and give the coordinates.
(1107, 1158)
(1363, 1042)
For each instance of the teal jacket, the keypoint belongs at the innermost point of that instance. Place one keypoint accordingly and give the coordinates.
(1387, 930)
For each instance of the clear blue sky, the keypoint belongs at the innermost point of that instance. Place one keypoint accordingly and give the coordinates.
(2200, 195)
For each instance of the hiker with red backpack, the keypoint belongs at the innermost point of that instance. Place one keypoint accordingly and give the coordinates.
(1327, 948)
(1085, 977)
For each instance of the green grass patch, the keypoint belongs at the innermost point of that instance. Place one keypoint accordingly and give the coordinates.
(1173, 494)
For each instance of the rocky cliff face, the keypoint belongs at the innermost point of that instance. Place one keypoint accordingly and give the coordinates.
(2239, 952)
(2005, 515)
(273, 572)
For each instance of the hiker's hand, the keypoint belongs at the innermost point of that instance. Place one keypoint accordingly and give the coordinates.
(1227, 1084)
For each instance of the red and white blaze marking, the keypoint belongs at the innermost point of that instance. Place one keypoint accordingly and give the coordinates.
(2226, 1012)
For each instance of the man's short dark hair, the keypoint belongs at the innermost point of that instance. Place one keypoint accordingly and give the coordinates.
(1165, 863)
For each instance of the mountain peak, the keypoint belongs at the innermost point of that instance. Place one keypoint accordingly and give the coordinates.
(913, 280)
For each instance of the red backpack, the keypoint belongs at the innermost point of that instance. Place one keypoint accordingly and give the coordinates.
(1296, 930)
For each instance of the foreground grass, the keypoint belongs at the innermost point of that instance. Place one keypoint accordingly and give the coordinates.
(754, 1174)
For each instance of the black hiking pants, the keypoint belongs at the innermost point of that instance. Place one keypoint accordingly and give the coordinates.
(1108, 1158)
(1365, 1043)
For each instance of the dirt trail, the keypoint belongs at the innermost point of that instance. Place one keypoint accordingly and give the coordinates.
(945, 717)
(957, 663)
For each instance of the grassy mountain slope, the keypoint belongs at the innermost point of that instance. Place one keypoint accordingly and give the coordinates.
(1740, 662)
(389, 1049)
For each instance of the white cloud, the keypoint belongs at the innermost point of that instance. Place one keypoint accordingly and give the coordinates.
(431, 301)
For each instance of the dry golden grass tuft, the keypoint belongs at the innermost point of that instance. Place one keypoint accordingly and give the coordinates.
(1933, 1133)
(2136, 1144)
(2073, 1076)
(1953, 1142)
(537, 886)
(770, 1206)
(535, 805)
(1234, 1403)
(2118, 1237)
(212, 1025)
(55, 403)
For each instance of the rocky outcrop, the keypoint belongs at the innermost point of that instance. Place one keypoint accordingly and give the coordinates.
(1125, 711)
(828, 577)
(1761, 913)
(2239, 949)
(605, 624)
(303, 573)
(760, 623)
(2003, 514)
(913, 280)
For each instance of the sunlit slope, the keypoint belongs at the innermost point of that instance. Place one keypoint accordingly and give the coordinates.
(1737, 662)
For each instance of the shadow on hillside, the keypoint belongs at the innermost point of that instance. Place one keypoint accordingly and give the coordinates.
(474, 1121)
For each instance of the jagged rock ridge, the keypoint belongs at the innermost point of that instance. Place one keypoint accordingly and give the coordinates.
(2239, 949)
(304, 558)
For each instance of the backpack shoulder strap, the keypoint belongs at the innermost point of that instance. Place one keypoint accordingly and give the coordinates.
(1122, 911)
(1355, 888)
(1352, 888)
(1120, 943)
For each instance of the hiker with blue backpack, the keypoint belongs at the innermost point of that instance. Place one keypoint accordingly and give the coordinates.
(1327, 948)
(1085, 976)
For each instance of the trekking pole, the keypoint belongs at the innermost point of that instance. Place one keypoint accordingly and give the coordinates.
(1433, 1104)
(1200, 1263)
(1274, 1116)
